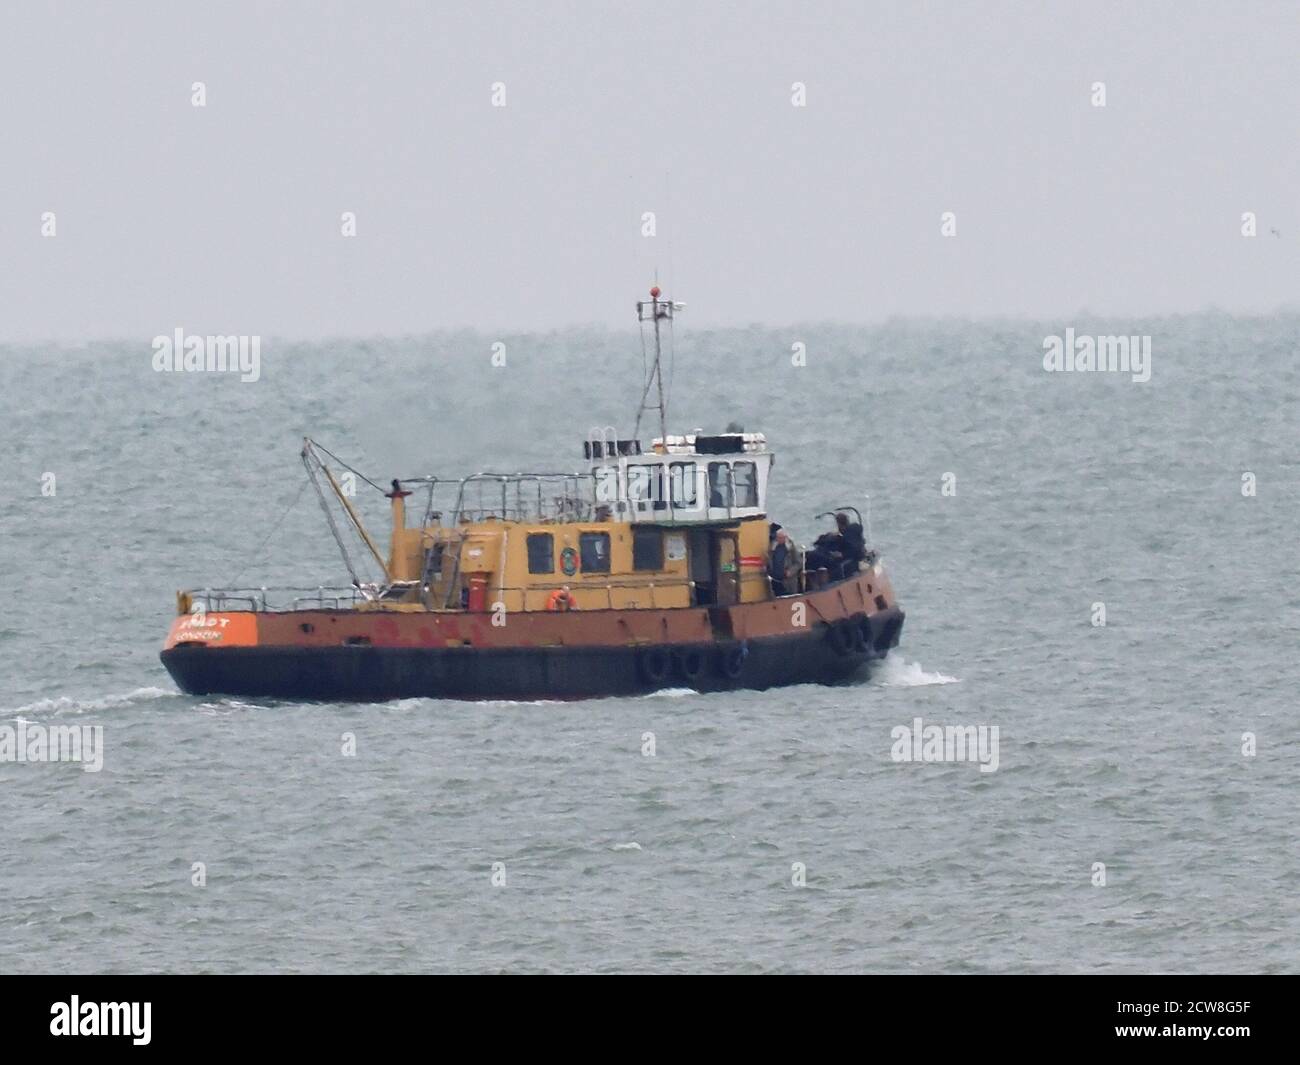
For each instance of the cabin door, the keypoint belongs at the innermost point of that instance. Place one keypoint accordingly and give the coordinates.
(726, 554)
(701, 566)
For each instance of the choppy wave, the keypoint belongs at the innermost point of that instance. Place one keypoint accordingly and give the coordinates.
(64, 704)
(896, 672)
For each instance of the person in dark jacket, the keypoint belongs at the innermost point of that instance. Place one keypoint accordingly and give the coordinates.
(853, 545)
(778, 559)
(839, 552)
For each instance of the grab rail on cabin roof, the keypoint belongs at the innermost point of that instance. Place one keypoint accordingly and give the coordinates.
(573, 503)
(574, 497)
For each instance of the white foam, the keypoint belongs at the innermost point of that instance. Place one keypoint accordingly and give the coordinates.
(407, 704)
(419, 702)
(670, 693)
(633, 846)
(225, 705)
(65, 705)
(894, 672)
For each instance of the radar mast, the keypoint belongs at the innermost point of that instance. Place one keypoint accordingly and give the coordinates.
(654, 310)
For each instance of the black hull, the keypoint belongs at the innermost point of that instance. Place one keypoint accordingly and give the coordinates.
(376, 674)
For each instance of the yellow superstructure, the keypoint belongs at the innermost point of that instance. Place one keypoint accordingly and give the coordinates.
(604, 565)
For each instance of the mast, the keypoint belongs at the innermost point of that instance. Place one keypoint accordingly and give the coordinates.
(655, 310)
(314, 465)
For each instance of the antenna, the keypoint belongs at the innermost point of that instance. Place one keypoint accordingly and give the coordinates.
(654, 310)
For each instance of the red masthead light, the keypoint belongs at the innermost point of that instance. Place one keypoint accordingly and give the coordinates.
(654, 291)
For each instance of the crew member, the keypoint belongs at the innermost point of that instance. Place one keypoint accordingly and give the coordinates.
(854, 544)
(561, 599)
(793, 566)
(840, 551)
(778, 559)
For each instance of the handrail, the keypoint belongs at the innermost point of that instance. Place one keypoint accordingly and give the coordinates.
(576, 493)
(270, 588)
(218, 600)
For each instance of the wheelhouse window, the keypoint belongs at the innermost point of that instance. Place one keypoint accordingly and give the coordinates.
(541, 553)
(645, 484)
(593, 550)
(719, 484)
(681, 478)
(647, 549)
(746, 481)
(606, 478)
(638, 482)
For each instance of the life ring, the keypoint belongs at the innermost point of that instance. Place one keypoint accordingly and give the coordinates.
(560, 600)
(731, 660)
(654, 664)
(690, 663)
(569, 561)
(840, 634)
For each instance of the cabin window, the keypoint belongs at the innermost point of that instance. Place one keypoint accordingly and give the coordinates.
(719, 484)
(647, 549)
(541, 553)
(657, 487)
(593, 550)
(606, 478)
(638, 481)
(681, 476)
(645, 484)
(746, 482)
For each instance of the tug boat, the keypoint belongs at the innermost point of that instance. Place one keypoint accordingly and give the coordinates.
(648, 569)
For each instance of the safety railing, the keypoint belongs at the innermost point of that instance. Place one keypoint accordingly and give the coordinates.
(644, 593)
(217, 600)
(540, 497)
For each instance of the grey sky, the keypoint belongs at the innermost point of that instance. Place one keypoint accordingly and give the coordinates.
(226, 219)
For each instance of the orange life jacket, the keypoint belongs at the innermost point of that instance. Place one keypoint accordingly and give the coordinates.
(560, 600)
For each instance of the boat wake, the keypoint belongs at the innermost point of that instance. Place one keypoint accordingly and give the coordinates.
(894, 672)
(65, 705)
